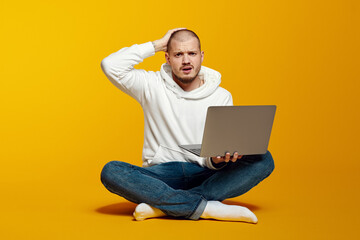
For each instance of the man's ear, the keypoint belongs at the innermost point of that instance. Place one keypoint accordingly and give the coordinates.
(167, 58)
(202, 56)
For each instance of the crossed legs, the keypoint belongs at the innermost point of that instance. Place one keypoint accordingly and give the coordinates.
(187, 190)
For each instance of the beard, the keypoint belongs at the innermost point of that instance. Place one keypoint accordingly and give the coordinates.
(186, 80)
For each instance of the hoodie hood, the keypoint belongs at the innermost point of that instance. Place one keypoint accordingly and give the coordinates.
(211, 79)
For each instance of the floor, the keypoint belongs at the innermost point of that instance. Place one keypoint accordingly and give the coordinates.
(76, 206)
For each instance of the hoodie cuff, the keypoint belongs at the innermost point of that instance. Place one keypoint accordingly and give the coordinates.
(215, 166)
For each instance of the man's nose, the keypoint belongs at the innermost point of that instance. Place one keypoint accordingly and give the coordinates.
(186, 59)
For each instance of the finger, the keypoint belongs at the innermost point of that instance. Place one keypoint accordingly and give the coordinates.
(174, 30)
(235, 157)
(177, 29)
(227, 157)
(240, 156)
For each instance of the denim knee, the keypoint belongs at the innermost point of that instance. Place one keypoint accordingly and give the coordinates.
(107, 173)
(268, 163)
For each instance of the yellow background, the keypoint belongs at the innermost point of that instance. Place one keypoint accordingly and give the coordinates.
(62, 120)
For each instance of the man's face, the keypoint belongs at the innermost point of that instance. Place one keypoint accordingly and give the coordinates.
(185, 59)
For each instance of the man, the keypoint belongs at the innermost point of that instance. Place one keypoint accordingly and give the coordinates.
(175, 100)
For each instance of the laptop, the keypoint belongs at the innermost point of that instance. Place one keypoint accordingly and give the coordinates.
(245, 129)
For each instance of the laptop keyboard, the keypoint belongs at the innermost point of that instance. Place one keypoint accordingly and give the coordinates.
(196, 150)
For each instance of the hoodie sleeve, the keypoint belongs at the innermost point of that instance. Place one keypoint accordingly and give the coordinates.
(119, 69)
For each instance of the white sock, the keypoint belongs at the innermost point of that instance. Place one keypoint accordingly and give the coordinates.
(144, 211)
(220, 211)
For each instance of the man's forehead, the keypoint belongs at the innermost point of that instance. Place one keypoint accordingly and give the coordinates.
(185, 50)
(191, 44)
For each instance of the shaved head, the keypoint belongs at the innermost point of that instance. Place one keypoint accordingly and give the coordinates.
(182, 36)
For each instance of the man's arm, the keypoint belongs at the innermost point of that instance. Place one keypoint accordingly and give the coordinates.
(119, 66)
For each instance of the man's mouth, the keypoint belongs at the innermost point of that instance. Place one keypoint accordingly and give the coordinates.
(186, 70)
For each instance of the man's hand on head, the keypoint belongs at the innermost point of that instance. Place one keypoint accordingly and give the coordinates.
(161, 44)
(226, 158)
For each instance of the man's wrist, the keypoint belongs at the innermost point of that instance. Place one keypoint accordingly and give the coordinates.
(217, 165)
(158, 46)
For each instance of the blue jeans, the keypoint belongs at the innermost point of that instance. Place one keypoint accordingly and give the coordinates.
(182, 189)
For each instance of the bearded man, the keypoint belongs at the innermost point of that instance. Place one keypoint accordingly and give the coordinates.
(172, 182)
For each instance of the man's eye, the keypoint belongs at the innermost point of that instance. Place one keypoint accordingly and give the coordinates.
(192, 54)
(178, 55)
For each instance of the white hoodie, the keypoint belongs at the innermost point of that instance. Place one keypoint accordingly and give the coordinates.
(172, 116)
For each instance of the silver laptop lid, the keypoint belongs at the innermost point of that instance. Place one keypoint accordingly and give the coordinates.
(245, 129)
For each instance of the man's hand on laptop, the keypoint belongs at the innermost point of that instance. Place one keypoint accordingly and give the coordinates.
(226, 158)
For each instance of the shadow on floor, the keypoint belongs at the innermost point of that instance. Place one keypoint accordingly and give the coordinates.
(127, 208)
(123, 208)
